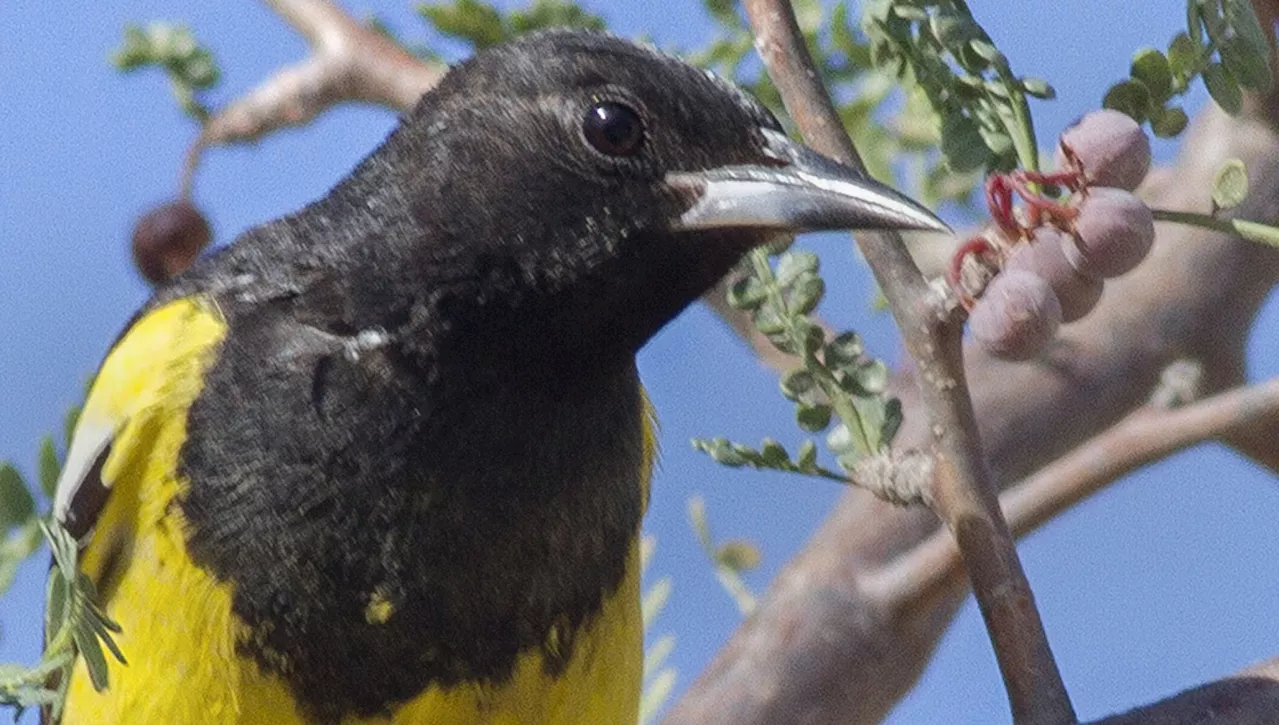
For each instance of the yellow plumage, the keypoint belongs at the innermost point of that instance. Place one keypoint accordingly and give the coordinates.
(179, 633)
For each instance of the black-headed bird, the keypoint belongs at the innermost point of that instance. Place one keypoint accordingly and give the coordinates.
(385, 459)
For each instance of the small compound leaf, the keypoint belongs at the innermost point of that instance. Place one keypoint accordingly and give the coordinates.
(773, 454)
(892, 421)
(50, 467)
(1244, 47)
(962, 144)
(721, 451)
(90, 649)
(1247, 66)
(738, 554)
(16, 504)
(807, 457)
(475, 22)
(1150, 67)
(805, 293)
(845, 349)
(794, 264)
(1039, 88)
(746, 294)
(1223, 88)
(1183, 55)
(798, 384)
(813, 418)
(1169, 122)
(1130, 98)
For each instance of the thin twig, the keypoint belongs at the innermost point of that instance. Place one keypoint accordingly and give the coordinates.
(964, 495)
(348, 62)
(1146, 435)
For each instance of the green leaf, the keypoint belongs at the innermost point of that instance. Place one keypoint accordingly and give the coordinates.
(57, 602)
(656, 694)
(1184, 54)
(892, 421)
(69, 422)
(746, 294)
(1247, 51)
(773, 454)
(1130, 98)
(805, 294)
(1223, 88)
(1168, 122)
(794, 264)
(807, 457)
(656, 654)
(952, 29)
(838, 438)
(798, 384)
(1151, 68)
(909, 13)
(16, 548)
(725, 11)
(50, 467)
(844, 40)
(721, 451)
(962, 144)
(813, 418)
(553, 14)
(1247, 66)
(91, 650)
(1039, 88)
(655, 598)
(475, 22)
(1194, 28)
(1230, 184)
(988, 52)
(811, 334)
(768, 321)
(738, 554)
(873, 377)
(16, 503)
(845, 349)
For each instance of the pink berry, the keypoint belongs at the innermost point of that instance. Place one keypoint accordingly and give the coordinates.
(1045, 257)
(168, 239)
(1017, 316)
(1111, 147)
(1113, 233)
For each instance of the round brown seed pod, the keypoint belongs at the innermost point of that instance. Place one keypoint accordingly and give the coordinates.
(168, 239)
(1112, 149)
(1016, 317)
(1045, 257)
(1113, 233)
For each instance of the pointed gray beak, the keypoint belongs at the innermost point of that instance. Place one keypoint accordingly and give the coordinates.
(802, 191)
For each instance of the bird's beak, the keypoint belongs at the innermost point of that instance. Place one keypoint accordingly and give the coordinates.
(800, 190)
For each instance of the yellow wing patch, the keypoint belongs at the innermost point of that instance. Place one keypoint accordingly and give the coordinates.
(177, 631)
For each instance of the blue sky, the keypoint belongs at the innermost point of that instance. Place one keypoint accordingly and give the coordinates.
(1167, 579)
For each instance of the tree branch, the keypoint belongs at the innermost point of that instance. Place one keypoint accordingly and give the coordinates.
(933, 569)
(963, 495)
(348, 62)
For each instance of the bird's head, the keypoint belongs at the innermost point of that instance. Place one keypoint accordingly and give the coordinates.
(602, 186)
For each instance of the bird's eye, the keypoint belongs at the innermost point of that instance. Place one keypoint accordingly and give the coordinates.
(613, 129)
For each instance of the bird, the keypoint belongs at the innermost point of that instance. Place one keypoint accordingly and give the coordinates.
(385, 459)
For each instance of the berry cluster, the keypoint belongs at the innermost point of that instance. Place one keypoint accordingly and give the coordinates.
(1044, 264)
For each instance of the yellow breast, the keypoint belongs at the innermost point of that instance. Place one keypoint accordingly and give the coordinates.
(179, 633)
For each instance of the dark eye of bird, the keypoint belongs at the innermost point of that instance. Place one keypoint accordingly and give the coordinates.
(613, 129)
